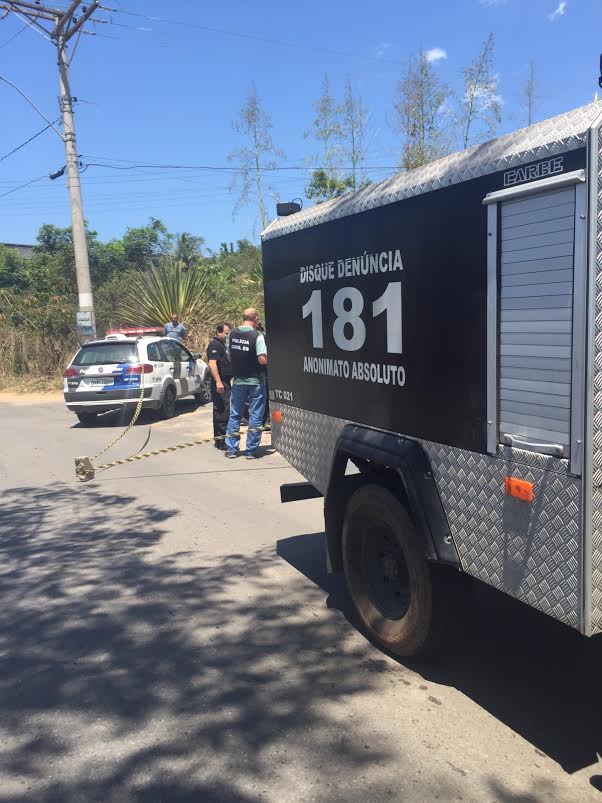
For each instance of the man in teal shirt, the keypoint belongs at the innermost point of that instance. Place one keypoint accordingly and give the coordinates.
(249, 355)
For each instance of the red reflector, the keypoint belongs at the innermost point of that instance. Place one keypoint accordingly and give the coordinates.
(519, 489)
(140, 369)
(277, 417)
(69, 372)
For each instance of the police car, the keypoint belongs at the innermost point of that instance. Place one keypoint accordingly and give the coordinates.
(106, 375)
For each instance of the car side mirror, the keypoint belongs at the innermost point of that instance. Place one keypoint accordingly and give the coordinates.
(196, 354)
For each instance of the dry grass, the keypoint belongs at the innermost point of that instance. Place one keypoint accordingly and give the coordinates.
(41, 356)
(31, 383)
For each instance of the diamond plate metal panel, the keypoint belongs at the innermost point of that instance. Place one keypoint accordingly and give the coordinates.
(596, 601)
(548, 138)
(532, 552)
(307, 440)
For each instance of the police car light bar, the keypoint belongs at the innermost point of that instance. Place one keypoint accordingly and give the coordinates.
(135, 331)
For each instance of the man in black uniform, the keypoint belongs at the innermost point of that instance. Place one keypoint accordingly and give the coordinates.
(221, 379)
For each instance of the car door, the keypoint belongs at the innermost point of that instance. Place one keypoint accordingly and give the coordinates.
(173, 363)
(185, 370)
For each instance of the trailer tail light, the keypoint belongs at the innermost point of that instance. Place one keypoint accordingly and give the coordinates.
(140, 369)
(277, 417)
(519, 489)
(69, 372)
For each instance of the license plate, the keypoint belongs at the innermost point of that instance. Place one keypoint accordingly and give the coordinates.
(96, 383)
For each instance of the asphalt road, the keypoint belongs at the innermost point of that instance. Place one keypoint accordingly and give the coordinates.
(168, 633)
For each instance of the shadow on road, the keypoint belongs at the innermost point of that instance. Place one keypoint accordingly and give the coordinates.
(121, 418)
(132, 672)
(538, 677)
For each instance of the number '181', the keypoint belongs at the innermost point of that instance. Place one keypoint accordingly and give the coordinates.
(349, 330)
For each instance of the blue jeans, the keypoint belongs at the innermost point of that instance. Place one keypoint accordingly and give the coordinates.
(254, 395)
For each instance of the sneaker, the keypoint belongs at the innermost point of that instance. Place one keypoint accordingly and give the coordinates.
(231, 455)
(251, 455)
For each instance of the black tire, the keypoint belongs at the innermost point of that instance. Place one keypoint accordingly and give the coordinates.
(86, 418)
(168, 403)
(404, 603)
(204, 397)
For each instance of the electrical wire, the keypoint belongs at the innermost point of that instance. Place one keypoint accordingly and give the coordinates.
(23, 144)
(32, 104)
(14, 36)
(232, 168)
(33, 25)
(251, 37)
(22, 186)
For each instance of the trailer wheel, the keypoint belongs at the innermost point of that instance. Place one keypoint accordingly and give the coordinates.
(399, 597)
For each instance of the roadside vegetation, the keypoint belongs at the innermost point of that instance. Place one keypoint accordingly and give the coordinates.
(137, 279)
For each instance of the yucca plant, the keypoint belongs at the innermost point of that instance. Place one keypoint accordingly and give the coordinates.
(166, 288)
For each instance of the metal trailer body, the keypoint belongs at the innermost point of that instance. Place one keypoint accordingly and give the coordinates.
(459, 306)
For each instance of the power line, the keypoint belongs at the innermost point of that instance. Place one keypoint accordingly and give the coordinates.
(14, 36)
(23, 144)
(22, 186)
(32, 104)
(253, 37)
(233, 168)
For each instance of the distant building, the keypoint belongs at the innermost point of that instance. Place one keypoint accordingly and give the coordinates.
(20, 248)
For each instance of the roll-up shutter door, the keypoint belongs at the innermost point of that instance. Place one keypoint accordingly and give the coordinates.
(536, 308)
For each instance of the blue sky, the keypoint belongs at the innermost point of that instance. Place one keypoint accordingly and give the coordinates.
(167, 93)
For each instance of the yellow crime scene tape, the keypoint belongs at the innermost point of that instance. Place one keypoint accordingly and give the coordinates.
(84, 466)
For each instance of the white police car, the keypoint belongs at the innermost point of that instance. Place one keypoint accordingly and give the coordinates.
(106, 375)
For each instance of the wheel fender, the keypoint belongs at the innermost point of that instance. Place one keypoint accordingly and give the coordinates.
(168, 383)
(399, 464)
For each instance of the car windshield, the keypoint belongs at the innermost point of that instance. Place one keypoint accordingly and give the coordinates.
(106, 353)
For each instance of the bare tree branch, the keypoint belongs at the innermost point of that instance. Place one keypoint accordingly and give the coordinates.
(254, 125)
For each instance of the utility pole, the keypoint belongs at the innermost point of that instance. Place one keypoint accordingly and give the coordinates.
(64, 26)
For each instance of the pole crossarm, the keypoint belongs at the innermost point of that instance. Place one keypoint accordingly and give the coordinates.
(36, 10)
(59, 17)
(82, 20)
(64, 17)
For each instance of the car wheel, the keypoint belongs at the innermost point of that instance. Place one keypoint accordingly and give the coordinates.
(407, 605)
(204, 395)
(86, 418)
(168, 405)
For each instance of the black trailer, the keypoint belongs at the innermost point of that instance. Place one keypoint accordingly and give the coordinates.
(436, 374)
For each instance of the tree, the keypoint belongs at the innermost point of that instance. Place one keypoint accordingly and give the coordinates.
(255, 126)
(327, 130)
(144, 245)
(188, 249)
(354, 123)
(235, 279)
(12, 269)
(322, 187)
(529, 96)
(420, 99)
(480, 103)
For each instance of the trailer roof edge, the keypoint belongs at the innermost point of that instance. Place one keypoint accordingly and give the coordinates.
(550, 137)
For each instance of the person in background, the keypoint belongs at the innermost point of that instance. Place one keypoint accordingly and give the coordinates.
(221, 378)
(174, 328)
(248, 354)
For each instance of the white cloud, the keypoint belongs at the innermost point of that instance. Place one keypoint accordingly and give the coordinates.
(558, 12)
(492, 3)
(435, 54)
(381, 49)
